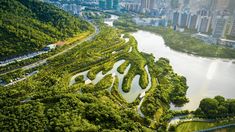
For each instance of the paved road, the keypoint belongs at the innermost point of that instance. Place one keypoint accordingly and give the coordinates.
(41, 62)
(22, 79)
(177, 119)
(139, 110)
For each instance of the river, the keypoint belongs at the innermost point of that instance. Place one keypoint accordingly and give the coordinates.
(206, 77)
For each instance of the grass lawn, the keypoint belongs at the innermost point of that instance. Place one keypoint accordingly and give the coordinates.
(77, 37)
(196, 126)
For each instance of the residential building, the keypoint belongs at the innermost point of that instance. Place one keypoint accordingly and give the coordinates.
(147, 4)
(109, 4)
(232, 28)
(203, 12)
(151, 21)
(116, 4)
(144, 4)
(186, 3)
(175, 18)
(151, 4)
(212, 5)
(174, 4)
(102, 4)
(135, 7)
(183, 19)
(203, 24)
(222, 5)
(192, 21)
(220, 27)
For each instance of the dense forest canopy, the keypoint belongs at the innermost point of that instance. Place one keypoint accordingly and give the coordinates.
(29, 25)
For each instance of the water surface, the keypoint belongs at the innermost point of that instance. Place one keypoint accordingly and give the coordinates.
(206, 77)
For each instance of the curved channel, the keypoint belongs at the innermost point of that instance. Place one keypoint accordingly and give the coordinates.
(206, 77)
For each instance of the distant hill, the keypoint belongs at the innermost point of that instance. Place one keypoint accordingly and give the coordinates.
(29, 25)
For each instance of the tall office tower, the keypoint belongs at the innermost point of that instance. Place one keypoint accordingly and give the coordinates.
(175, 18)
(109, 4)
(183, 19)
(192, 21)
(203, 24)
(232, 28)
(219, 27)
(102, 4)
(116, 5)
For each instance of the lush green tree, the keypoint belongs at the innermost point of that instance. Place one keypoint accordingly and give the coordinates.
(220, 99)
(209, 106)
(30, 25)
(216, 107)
(232, 106)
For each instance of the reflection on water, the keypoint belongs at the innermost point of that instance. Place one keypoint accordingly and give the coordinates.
(212, 70)
(206, 77)
(135, 89)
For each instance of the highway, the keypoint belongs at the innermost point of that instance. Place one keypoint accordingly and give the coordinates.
(44, 61)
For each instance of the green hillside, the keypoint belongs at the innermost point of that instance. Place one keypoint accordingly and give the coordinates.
(29, 25)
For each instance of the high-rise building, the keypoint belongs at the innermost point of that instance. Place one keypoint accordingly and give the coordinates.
(135, 7)
(203, 12)
(174, 4)
(231, 5)
(109, 4)
(151, 4)
(192, 21)
(219, 27)
(222, 4)
(175, 18)
(212, 5)
(147, 4)
(183, 19)
(102, 4)
(116, 5)
(215, 5)
(203, 24)
(232, 28)
(186, 3)
(144, 4)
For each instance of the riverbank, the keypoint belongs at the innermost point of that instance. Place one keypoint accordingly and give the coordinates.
(187, 44)
(136, 74)
(180, 41)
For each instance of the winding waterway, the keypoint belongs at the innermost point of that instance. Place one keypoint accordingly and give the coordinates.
(135, 89)
(206, 77)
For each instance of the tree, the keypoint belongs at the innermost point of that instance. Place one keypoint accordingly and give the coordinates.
(220, 99)
(232, 106)
(209, 107)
